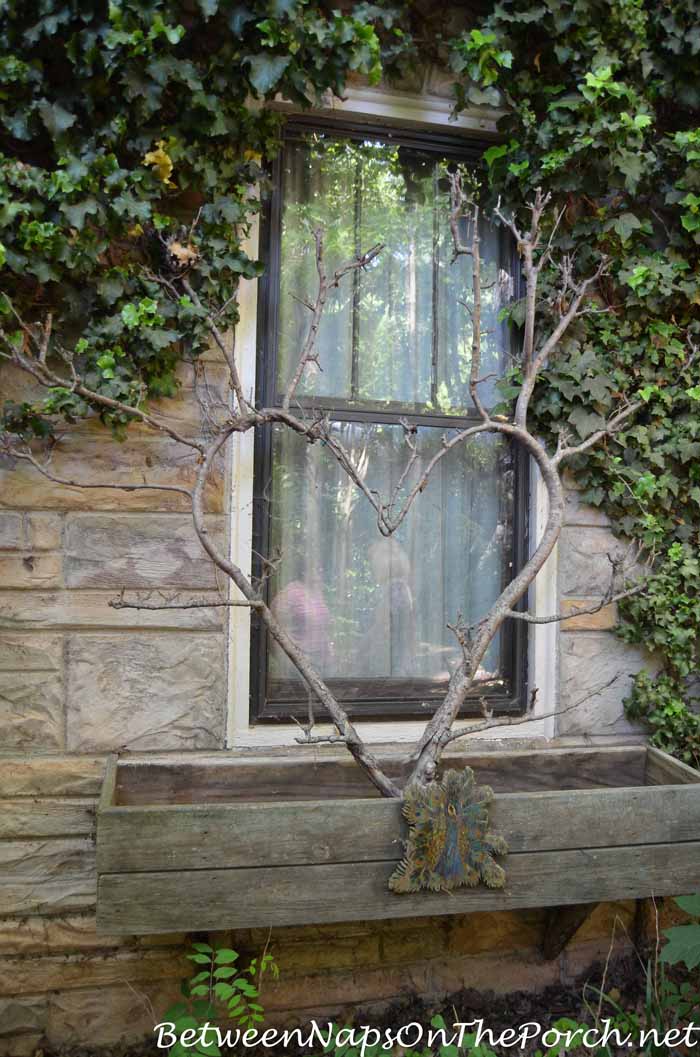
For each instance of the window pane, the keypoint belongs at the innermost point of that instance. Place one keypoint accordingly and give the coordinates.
(371, 611)
(398, 332)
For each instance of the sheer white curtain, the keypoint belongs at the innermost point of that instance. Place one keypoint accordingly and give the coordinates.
(372, 612)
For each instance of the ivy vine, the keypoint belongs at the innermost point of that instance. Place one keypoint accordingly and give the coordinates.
(602, 107)
(132, 134)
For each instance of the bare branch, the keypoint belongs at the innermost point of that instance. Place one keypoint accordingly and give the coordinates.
(325, 286)
(38, 369)
(27, 456)
(303, 664)
(553, 618)
(613, 425)
(245, 603)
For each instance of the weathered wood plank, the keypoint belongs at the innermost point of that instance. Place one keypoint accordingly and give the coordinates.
(218, 836)
(267, 897)
(278, 778)
(561, 924)
(109, 783)
(663, 769)
(46, 818)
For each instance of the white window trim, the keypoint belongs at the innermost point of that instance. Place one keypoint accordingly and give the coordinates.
(428, 112)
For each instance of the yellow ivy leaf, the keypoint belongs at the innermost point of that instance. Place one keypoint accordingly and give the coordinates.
(134, 232)
(252, 155)
(161, 161)
(184, 254)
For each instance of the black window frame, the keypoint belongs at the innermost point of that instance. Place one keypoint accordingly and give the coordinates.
(515, 638)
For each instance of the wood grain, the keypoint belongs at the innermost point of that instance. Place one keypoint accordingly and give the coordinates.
(663, 769)
(218, 836)
(275, 896)
(278, 778)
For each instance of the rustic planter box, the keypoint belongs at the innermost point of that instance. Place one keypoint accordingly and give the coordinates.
(235, 843)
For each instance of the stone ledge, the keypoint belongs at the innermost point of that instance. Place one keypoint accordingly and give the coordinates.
(46, 818)
(90, 609)
(31, 572)
(72, 934)
(51, 776)
(26, 975)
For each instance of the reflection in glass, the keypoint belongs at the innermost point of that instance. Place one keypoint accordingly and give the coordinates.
(398, 333)
(371, 611)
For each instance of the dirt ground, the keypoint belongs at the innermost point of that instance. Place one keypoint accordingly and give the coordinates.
(624, 978)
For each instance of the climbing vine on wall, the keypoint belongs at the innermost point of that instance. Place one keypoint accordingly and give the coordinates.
(602, 104)
(132, 136)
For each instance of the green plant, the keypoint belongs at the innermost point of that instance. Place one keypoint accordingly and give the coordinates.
(120, 123)
(683, 945)
(218, 990)
(602, 106)
(131, 135)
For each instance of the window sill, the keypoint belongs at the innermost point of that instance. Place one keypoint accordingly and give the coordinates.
(384, 733)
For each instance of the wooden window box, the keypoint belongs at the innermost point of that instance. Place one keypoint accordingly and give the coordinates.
(236, 843)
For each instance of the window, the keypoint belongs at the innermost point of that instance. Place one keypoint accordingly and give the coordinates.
(394, 350)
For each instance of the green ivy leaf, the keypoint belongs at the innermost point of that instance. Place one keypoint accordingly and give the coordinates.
(75, 214)
(56, 118)
(625, 225)
(208, 7)
(266, 71)
(586, 421)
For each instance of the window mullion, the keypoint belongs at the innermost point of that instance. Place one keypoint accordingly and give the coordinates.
(356, 280)
(435, 306)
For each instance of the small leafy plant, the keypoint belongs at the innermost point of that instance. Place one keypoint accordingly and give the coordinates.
(683, 945)
(217, 991)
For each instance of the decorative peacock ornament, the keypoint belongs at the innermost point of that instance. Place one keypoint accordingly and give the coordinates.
(449, 842)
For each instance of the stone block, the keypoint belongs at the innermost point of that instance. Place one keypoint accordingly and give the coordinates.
(64, 972)
(606, 919)
(72, 934)
(145, 691)
(96, 458)
(97, 1017)
(31, 691)
(21, 1045)
(525, 971)
(31, 710)
(342, 952)
(595, 671)
(579, 513)
(604, 620)
(336, 990)
(46, 818)
(416, 945)
(504, 931)
(584, 569)
(30, 571)
(11, 531)
(46, 877)
(21, 776)
(37, 653)
(91, 609)
(19, 1015)
(141, 550)
(44, 531)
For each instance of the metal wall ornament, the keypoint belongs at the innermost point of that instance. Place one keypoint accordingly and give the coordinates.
(449, 843)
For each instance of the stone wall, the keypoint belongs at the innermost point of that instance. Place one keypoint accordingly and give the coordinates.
(80, 679)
